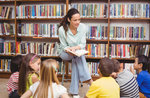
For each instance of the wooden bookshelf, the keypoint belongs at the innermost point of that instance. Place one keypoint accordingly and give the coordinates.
(106, 20)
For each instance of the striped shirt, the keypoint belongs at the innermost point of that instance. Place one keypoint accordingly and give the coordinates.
(13, 82)
(128, 85)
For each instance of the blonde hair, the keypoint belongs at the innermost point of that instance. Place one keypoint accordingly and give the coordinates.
(47, 76)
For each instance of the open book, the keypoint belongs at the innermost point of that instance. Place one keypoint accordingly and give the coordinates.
(78, 52)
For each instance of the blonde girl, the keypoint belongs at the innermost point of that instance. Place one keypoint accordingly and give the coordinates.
(28, 72)
(48, 86)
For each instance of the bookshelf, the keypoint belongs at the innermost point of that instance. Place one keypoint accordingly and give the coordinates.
(112, 23)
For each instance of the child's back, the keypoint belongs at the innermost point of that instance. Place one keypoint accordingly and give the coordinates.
(126, 80)
(106, 86)
(128, 84)
(12, 85)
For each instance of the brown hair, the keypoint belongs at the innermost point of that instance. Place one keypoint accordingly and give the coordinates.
(16, 63)
(47, 76)
(116, 65)
(106, 67)
(65, 21)
(25, 70)
(142, 59)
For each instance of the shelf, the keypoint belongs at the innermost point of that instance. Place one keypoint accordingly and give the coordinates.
(129, 18)
(5, 74)
(7, 2)
(125, 60)
(72, 1)
(4, 19)
(41, 0)
(129, 0)
(52, 39)
(3, 36)
(129, 41)
(96, 41)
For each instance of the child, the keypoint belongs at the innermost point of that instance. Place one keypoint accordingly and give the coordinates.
(127, 82)
(106, 86)
(12, 85)
(143, 78)
(28, 72)
(48, 86)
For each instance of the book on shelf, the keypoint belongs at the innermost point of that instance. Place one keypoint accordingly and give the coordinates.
(78, 52)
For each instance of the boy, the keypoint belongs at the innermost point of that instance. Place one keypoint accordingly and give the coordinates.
(127, 82)
(106, 86)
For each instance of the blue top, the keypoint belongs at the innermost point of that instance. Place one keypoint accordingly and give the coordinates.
(71, 40)
(143, 79)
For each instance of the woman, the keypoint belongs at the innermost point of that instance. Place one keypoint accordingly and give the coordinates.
(72, 36)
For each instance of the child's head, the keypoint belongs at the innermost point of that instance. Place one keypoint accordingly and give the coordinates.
(117, 67)
(48, 71)
(141, 63)
(106, 67)
(16, 63)
(48, 74)
(30, 64)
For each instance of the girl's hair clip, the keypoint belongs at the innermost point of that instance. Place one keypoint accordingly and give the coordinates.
(33, 57)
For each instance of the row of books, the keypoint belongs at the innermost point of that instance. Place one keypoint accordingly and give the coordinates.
(97, 31)
(129, 51)
(6, 12)
(7, 47)
(94, 10)
(40, 48)
(129, 10)
(38, 29)
(92, 66)
(97, 50)
(128, 33)
(5, 65)
(7, 29)
(41, 11)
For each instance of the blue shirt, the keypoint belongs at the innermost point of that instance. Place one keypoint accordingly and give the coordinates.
(143, 79)
(71, 40)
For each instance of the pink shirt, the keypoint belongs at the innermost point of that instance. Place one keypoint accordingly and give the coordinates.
(13, 82)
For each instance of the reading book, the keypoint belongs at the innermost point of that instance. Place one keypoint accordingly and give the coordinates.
(78, 52)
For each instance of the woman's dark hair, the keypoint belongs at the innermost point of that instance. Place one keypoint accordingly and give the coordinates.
(142, 59)
(116, 65)
(65, 21)
(106, 67)
(25, 70)
(15, 63)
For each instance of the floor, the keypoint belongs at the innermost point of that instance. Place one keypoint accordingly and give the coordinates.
(4, 94)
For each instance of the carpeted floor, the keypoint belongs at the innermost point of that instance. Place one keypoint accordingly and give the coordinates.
(4, 94)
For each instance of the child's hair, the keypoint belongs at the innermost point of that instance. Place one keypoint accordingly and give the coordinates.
(25, 70)
(106, 67)
(142, 59)
(48, 75)
(15, 63)
(116, 65)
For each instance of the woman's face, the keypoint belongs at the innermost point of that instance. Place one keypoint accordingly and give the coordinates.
(75, 20)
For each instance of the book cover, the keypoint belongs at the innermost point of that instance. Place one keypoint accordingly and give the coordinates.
(78, 52)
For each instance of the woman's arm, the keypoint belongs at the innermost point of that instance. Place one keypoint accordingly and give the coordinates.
(27, 94)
